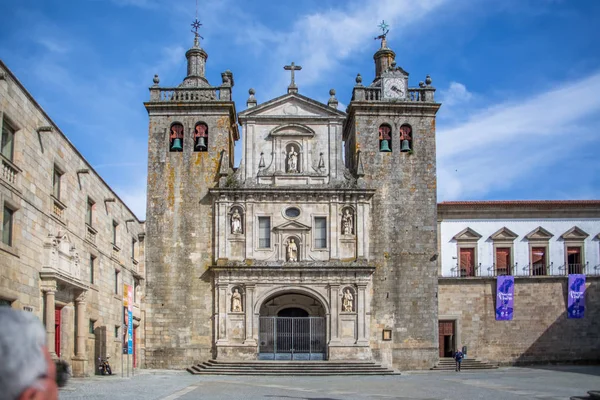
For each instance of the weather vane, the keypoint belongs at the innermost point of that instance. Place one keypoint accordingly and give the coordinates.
(196, 25)
(384, 29)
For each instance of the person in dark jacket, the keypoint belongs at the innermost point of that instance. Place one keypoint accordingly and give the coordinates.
(458, 357)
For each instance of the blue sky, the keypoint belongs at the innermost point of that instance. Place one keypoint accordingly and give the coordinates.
(519, 79)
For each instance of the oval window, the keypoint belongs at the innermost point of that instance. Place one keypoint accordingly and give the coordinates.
(292, 212)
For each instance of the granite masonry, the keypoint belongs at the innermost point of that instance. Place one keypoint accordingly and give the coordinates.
(69, 244)
(326, 243)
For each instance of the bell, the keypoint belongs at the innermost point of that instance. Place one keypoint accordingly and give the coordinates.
(200, 144)
(176, 145)
(384, 146)
(405, 146)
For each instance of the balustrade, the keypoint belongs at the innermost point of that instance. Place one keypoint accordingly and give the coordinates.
(185, 95)
(9, 172)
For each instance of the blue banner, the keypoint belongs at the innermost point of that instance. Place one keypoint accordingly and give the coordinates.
(576, 301)
(505, 292)
(130, 333)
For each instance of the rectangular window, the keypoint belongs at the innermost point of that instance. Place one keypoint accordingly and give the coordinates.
(89, 212)
(92, 323)
(538, 261)
(467, 261)
(114, 233)
(574, 262)
(92, 265)
(116, 331)
(56, 183)
(264, 232)
(7, 226)
(133, 243)
(503, 266)
(116, 281)
(8, 138)
(320, 232)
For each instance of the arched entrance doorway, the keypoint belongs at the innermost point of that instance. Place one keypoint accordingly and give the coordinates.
(292, 327)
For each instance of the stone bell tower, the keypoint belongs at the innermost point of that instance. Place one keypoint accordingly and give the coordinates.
(192, 130)
(390, 145)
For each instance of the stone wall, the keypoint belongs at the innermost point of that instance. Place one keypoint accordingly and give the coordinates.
(540, 330)
(180, 238)
(52, 244)
(403, 238)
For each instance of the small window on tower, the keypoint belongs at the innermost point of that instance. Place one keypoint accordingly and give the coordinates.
(385, 138)
(201, 137)
(405, 139)
(176, 137)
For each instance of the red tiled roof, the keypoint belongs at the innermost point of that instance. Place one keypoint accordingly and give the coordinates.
(522, 203)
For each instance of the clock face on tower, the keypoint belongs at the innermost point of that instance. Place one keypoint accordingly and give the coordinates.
(394, 88)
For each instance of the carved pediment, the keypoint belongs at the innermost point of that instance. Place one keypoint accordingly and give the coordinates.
(292, 105)
(539, 233)
(504, 234)
(467, 235)
(292, 130)
(292, 226)
(575, 233)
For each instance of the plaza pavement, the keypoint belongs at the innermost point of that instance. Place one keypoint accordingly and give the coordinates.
(547, 383)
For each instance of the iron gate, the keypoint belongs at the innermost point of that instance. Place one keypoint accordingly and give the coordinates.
(291, 338)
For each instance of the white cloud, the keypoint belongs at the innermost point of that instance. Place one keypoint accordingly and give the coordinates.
(456, 93)
(496, 147)
(321, 41)
(54, 45)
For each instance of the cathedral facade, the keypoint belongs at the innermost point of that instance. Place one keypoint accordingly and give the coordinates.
(326, 243)
(321, 245)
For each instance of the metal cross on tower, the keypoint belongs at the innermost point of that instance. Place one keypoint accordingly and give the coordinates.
(293, 67)
(196, 25)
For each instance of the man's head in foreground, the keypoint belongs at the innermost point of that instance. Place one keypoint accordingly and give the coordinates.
(26, 370)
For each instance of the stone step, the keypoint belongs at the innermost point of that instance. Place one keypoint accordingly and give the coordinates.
(448, 364)
(214, 367)
(291, 362)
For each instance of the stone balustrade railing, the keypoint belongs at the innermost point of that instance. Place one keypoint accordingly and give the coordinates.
(9, 172)
(421, 94)
(190, 95)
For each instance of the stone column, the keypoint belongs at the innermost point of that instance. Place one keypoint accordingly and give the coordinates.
(79, 361)
(334, 291)
(81, 325)
(362, 313)
(250, 340)
(50, 292)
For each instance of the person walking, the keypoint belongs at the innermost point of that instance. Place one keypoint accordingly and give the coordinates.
(458, 357)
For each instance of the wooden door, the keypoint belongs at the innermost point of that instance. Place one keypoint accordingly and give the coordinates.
(503, 261)
(446, 337)
(57, 332)
(538, 261)
(467, 261)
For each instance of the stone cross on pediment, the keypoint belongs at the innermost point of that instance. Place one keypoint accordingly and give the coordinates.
(292, 67)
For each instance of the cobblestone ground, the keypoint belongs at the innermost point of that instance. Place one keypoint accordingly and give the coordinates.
(504, 384)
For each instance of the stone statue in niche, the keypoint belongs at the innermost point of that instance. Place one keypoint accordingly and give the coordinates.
(236, 301)
(236, 221)
(347, 222)
(292, 251)
(292, 160)
(348, 301)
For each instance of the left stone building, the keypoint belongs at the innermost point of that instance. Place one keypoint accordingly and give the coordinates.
(69, 244)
